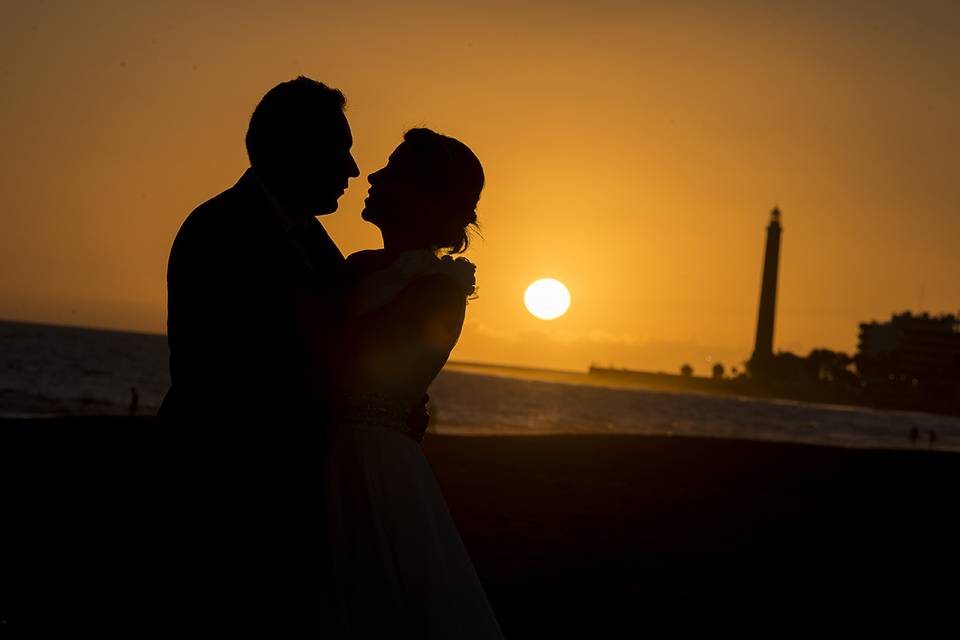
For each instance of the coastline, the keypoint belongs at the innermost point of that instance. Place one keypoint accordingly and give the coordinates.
(664, 382)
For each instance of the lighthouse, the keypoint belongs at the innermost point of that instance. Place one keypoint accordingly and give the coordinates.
(763, 347)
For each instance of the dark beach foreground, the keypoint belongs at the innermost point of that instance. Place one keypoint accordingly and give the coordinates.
(586, 536)
(622, 536)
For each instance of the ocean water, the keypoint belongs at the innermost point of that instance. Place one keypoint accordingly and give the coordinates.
(55, 371)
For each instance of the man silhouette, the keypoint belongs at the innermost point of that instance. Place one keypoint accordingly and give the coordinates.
(215, 521)
(252, 271)
(254, 302)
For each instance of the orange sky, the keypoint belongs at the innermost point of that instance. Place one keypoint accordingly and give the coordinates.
(632, 150)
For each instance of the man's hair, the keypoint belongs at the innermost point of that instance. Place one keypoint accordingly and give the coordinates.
(286, 113)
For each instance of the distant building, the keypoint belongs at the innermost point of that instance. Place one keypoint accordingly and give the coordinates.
(763, 346)
(917, 350)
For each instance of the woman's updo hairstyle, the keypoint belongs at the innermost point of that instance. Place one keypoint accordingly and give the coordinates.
(452, 176)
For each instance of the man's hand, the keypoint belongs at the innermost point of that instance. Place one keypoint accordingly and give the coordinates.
(418, 419)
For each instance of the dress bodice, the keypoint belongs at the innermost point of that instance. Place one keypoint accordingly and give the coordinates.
(405, 316)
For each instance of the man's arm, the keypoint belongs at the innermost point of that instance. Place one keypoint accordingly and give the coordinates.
(205, 320)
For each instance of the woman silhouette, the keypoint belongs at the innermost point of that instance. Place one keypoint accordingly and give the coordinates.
(400, 569)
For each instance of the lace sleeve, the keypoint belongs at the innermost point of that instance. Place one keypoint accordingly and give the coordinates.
(381, 287)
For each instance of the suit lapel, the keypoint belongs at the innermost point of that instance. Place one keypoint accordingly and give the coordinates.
(309, 248)
(321, 243)
(323, 256)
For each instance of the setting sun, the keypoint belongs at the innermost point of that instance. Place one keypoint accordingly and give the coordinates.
(547, 299)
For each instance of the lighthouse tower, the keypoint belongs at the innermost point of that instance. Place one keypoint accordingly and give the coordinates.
(763, 347)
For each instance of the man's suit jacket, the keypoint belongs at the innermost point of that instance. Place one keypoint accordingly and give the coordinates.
(253, 310)
(250, 304)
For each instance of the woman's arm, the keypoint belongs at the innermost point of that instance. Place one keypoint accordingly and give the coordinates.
(409, 337)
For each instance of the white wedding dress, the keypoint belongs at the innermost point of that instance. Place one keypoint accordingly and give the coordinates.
(400, 569)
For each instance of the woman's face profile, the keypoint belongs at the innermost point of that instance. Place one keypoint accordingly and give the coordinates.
(393, 195)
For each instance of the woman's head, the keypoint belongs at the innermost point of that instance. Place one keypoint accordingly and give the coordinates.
(427, 194)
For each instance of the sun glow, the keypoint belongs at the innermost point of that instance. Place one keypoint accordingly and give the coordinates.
(547, 299)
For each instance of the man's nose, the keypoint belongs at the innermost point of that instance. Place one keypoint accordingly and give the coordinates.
(354, 169)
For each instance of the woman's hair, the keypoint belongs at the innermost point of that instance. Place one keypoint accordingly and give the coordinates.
(451, 174)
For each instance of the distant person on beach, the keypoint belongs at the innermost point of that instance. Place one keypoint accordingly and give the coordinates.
(134, 402)
(914, 436)
(932, 438)
(400, 568)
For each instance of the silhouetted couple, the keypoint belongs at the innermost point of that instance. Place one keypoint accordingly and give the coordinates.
(299, 386)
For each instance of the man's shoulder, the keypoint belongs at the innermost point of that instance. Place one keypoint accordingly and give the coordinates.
(232, 213)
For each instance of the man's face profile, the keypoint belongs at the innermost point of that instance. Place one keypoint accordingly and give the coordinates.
(319, 170)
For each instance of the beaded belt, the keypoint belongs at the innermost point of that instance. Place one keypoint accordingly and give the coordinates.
(372, 411)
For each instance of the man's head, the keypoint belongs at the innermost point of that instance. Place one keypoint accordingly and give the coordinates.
(299, 144)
